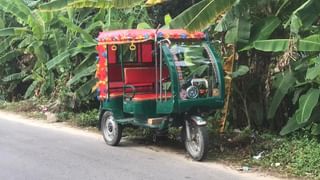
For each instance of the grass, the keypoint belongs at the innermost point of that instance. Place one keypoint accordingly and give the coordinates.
(3, 104)
(86, 119)
(297, 155)
(30, 108)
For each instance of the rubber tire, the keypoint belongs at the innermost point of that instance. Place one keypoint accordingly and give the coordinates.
(204, 143)
(117, 127)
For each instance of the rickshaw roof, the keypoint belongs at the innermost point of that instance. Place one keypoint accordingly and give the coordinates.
(141, 35)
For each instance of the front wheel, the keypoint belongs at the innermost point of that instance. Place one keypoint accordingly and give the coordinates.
(198, 144)
(111, 130)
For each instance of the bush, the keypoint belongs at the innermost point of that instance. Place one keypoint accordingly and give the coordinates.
(298, 155)
(2, 104)
(64, 116)
(86, 119)
(29, 105)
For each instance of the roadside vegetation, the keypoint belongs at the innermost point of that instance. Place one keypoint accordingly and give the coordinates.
(47, 62)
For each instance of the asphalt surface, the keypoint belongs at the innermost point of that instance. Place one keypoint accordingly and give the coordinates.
(36, 150)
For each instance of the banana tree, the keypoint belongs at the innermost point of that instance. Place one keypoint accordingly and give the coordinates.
(300, 77)
(58, 46)
(256, 25)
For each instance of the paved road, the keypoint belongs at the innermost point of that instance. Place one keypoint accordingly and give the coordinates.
(33, 150)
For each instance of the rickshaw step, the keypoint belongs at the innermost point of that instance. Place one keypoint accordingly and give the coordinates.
(156, 121)
(150, 123)
(125, 120)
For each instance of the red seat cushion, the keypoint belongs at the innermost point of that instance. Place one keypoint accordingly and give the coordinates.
(149, 96)
(116, 88)
(142, 78)
(138, 75)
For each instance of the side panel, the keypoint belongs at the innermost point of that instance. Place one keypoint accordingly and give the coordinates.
(212, 102)
(167, 106)
(114, 105)
(147, 108)
(218, 62)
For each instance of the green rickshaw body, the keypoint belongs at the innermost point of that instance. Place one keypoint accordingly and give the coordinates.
(150, 75)
(179, 105)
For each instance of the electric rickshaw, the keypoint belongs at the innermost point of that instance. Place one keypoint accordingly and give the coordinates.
(158, 79)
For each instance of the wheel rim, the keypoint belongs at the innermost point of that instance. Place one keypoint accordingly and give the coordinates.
(195, 144)
(110, 128)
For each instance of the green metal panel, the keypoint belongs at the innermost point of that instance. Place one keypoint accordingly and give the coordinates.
(212, 102)
(147, 108)
(220, 70)
(167, 107)
(114, 105)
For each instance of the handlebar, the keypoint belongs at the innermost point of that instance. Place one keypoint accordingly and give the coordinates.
(133, 93)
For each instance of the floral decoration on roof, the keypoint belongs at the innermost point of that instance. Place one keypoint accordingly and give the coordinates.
(139, 35)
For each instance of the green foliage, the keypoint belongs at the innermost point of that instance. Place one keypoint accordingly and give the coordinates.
(63, 4)
(282, 84)
(52, 53)
(86, 119)
(10, 55)
(298, 155)
(15, 76)
(280, 45)
(304, 16)
(242, 70)
(275, 45)
(313, 72)
(307, 103)
(167, 20)
(291, 126)
(256, 25)
(143, 26)
(201, 15)
(2, 104)
(265, 28)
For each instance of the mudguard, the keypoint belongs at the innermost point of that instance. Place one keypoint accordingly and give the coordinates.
(198, 120)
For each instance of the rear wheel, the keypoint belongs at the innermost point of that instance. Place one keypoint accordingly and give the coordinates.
(111, 130)
(198, 145)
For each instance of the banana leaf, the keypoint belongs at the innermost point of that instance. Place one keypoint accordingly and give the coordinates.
(282, 84)
(307, 102)
(57, 60)
(85, 72)
(31, 89)
(305, 15)
(263, 30)
(86, 88)
(19, 9)
(57, 5)
(13, 31)
(313, 72)
(201, 15)
(315, 129)
(281, 45)
(14, 76)
(293, 125)
(10, 55)
(69, 24)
